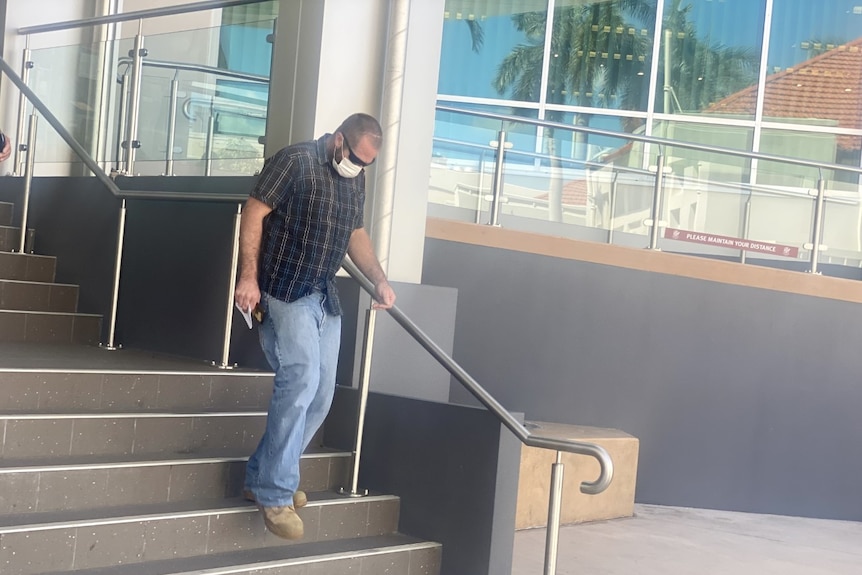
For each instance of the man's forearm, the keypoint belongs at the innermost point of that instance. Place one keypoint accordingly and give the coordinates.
(362, 254)
(250, 233)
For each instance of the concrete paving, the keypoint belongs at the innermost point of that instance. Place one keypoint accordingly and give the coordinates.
(676, 541)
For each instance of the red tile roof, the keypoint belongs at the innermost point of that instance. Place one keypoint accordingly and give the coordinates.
(826, 87)
(574, 193)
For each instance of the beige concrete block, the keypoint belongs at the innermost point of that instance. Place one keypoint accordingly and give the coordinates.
(535, 479)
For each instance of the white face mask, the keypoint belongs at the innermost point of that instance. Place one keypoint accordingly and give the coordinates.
(346, 168)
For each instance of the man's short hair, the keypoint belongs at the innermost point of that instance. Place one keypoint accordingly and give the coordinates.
(358, 125)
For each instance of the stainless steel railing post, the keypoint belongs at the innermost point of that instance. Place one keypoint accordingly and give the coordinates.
(817, 232)
(481, 194)
(28, 178)
(172, 127)
(26, 66)
(228, 320)
(657, 201)
(498, 179)
(132, 141)
(122, 124)
(552, 540)
(118, 262)
(364, 382)
(208, 165)
(613, 207)
(746, 227)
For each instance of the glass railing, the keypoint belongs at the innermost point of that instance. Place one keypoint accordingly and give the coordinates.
(595, 185)
(195, 116)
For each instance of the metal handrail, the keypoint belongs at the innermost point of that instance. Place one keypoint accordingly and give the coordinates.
(196, 68)
(570, 446)
(137, 15)
(651, 140)
(58, 127)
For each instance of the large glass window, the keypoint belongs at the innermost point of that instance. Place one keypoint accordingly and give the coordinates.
(815, 146)
(591, 147)
(815, 63)
(710, 57)
(601, 53)
(493, 49)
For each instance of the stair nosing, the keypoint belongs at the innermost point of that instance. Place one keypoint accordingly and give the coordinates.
(57, 313)
(63, 370)
(124, 462)
(312, 559)
(129, 415)
(2, 280)
(27, 255)
(231, 509)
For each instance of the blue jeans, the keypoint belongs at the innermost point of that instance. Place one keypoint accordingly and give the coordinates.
(301, 342)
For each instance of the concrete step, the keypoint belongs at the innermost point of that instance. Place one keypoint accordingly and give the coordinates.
(35, 436)
(134, 535)
(10, 239)
(98, 482)
(38, 296)
(392, 554)
(99, 390)
(27, 267)
(49, 327)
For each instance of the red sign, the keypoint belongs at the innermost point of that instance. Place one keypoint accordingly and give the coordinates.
(732, 243)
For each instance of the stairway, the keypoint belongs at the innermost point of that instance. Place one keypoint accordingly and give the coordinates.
(33, 308)
(125, 464)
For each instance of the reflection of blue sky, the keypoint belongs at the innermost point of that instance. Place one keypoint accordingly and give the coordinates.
(796, 21)
(464, 72)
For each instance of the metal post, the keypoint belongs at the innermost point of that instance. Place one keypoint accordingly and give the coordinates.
(364, 381)
(498, 179)
(26, 66)
(481, 186)
(208, 166)
(657, 201)
(135, 99)
(121, 232)
(552, 540)
(122, 124)
(817, 233)
(28, 178)
(668, 36)
(613, 208)
(172, 127)
(234, 260)
(746, 227)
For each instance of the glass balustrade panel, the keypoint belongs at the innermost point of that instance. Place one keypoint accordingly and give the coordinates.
(68, 80)
(221, 72)
(464, 159)
(216, 81)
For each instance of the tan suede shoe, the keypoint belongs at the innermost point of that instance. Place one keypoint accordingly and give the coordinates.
(283, 522)
(300, 499)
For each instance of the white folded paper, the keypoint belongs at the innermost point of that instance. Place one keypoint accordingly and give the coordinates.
(246, 313)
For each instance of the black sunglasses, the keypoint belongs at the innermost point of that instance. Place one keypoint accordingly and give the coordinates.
(352, 156)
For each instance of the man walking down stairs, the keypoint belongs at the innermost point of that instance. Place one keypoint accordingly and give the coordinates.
(123, 463)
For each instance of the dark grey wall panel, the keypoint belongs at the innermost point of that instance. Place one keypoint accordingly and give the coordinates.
(401, 366)
(454, 467)
(743, 399)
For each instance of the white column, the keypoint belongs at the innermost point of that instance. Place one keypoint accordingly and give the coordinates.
(330, 60)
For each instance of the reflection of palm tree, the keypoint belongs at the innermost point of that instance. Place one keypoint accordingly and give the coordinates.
(700, 73)
(597, 60)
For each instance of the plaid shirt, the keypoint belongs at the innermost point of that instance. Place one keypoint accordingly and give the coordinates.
(314, 211)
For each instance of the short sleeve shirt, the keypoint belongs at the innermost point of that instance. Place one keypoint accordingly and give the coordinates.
(314, 212)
